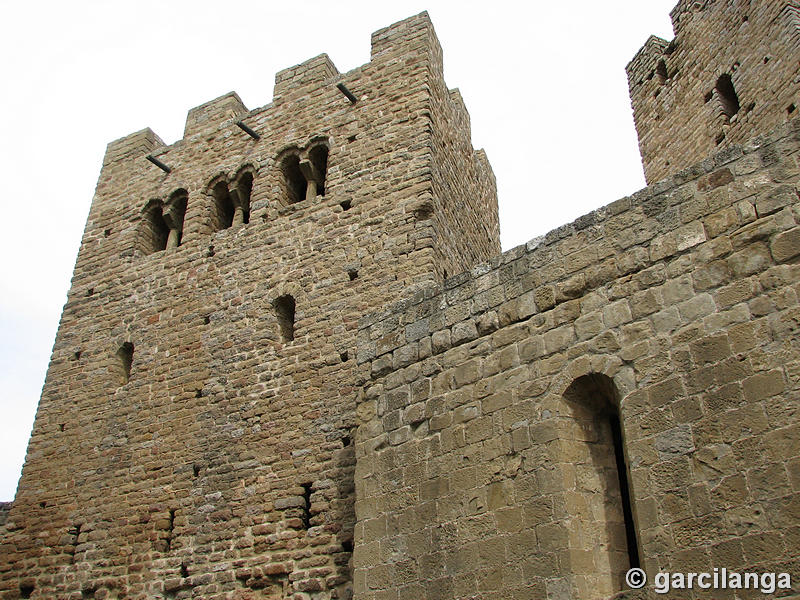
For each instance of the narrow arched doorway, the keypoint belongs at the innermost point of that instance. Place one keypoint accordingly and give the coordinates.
(601, 524)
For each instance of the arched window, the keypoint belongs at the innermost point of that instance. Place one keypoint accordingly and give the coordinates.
(155, 231)
(304, 172)
(661, 71)
(318, 157)
(123, 361)
(244, 188)
(293, 177)
(284, 311)
(603, 521)
(174, 214)
(223, 209)
(728, 99)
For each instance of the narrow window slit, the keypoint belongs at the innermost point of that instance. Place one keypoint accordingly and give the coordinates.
(171, 531)
(285, 311)
(353, 274)
(661, 71)
(25, 591)
(174, 214)
(306, 517)
(624, 490)
(155, 231)
(346, 205)
(318, 156)
(223, 206)
(293, 176)
(729, 101)
(124, 358)
(343, 356)
(75, 533)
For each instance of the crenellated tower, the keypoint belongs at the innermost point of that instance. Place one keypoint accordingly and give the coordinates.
(730, 73)
(194, 435)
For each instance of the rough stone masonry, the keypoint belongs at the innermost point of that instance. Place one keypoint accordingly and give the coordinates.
(294, 365)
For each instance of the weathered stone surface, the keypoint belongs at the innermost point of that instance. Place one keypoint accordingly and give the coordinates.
(200, 408)
(705, 329)
(685, 115)
(786, 245)
(280, 375)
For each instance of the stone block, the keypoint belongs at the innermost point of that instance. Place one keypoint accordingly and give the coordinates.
(786, 245)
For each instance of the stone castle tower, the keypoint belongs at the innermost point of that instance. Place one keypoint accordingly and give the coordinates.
(294, 364)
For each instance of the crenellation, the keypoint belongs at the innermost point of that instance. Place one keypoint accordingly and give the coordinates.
(303, 78)
(726, 76)
(412, 35)
(213, 113)
(133, 145)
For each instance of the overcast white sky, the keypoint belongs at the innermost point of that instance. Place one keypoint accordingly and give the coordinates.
(544, 83)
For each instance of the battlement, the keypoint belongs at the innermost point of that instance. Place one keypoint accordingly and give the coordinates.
(135, 144)
(214, 112)
(300, 78)
(414, 35)
(267, 143)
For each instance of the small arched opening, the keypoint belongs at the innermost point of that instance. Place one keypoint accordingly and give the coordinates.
(318, 156)
(244, 189)
(728, 99)
(284, 312)
(603, 519)
(294, 181)
(661, 71)
(155, 231)
(123, 361)
(174, 215)
(223, 209)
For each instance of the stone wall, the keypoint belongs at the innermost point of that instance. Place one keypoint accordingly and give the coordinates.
(194, 437)
(4, 508)
(220, 419)
(483, 462)
(680, 117)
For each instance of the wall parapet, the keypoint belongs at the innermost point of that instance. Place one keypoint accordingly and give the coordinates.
(489, 404)
(620, 239)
